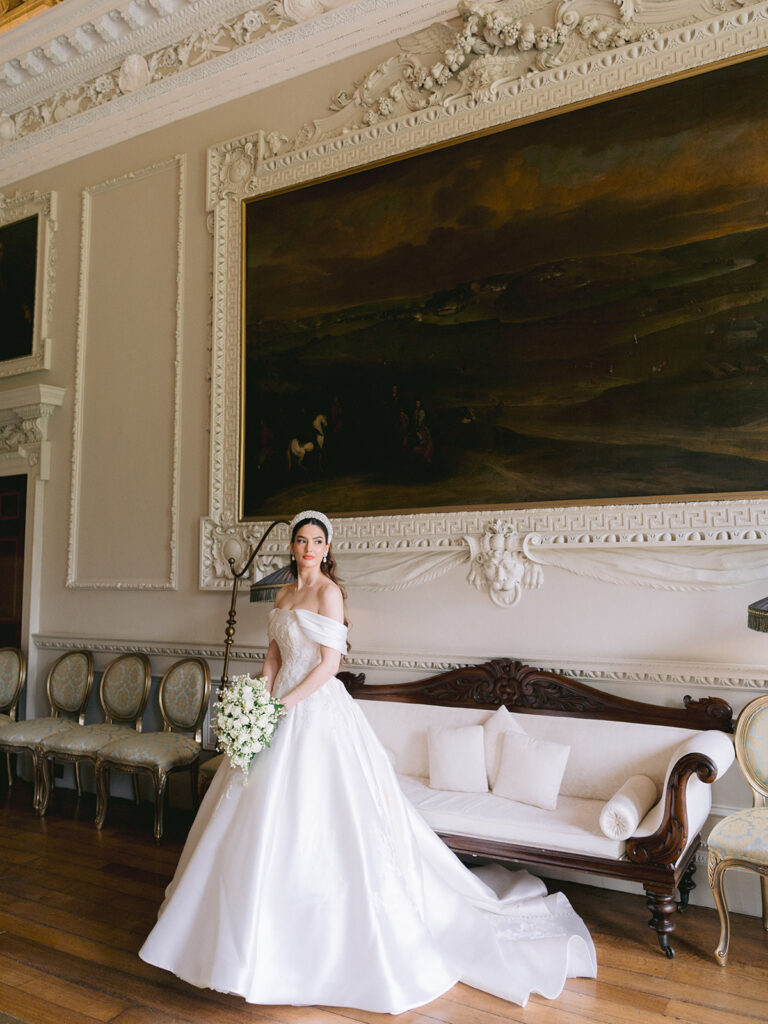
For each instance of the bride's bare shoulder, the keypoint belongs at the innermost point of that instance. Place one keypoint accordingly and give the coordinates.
(331, 601)
(284, 595)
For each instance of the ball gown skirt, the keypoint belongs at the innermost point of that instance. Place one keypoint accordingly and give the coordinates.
(313, 880)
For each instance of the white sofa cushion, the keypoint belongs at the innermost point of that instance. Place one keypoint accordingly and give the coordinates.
(627, 807)
(457, 759)
(530, 771)
(495, 728)
(573, 827)
(605, 754)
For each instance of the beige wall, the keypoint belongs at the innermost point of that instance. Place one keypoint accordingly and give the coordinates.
(126, 459)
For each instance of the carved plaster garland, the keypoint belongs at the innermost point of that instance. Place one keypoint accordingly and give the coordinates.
(493, 52)
(496, 41)
(137, 71)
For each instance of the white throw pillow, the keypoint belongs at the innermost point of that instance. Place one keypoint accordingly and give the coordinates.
(457, 759)
(627, 807)
(495, 728)
(531, 770)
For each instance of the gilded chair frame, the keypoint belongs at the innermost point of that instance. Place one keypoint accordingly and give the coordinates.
(56, 712)
(717, 865)
(45, 759)
(10, 707)
(158, 775)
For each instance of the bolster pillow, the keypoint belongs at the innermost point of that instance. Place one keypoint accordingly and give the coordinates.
(627, 807)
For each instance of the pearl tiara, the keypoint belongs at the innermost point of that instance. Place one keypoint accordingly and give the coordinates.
(311, 514)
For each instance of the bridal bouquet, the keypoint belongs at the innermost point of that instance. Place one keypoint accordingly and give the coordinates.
(245, 718)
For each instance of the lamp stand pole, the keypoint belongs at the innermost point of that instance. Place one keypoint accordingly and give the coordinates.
(236, 577)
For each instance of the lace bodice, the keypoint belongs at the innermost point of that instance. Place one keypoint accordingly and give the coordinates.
(299, 654)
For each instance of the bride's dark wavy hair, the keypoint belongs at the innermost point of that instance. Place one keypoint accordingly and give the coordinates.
(327, 567)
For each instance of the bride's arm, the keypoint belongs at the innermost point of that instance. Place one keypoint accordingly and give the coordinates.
(272, 664)
(332, 606)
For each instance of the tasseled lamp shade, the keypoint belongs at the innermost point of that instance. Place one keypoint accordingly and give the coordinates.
(267, 587)
(757, 615)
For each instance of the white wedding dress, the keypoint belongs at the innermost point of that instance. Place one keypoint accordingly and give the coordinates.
(315, 881)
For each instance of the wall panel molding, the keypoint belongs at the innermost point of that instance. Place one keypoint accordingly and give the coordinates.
(168, 581)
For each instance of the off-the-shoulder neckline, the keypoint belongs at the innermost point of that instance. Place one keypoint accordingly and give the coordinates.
(306, 611)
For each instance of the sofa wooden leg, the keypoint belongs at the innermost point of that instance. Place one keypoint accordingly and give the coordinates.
(662, 907)
(686, 887)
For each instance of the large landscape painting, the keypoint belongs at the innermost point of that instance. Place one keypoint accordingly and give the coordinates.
(572, 310)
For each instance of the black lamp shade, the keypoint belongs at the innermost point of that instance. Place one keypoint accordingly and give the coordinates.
(757, 615)
(267, 587)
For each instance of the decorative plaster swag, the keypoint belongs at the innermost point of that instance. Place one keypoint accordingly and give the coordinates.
(505, 564)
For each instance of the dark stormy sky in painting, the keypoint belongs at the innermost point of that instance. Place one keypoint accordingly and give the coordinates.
(645, 172)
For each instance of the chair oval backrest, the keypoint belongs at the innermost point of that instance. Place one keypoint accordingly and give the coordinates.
(13, 671)
(69, 682)
(751, 739)
(183, 694)
(124, 687)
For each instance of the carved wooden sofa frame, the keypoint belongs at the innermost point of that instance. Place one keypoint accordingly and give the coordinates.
(655, 860)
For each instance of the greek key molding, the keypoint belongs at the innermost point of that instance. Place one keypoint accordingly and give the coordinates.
(169, 583)
(15, 208)
(450, 81)
(686, 524)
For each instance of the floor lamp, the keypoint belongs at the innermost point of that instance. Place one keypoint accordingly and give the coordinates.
(262, 590)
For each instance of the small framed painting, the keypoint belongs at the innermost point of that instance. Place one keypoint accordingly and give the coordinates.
(26, 281)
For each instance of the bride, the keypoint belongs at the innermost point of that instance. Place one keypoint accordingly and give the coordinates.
(313, 880)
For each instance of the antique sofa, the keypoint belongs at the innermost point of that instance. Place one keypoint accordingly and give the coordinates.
(624, 758)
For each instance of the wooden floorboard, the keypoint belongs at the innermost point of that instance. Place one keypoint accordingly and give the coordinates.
(75, 905)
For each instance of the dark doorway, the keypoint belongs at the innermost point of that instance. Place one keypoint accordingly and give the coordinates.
(13, 507)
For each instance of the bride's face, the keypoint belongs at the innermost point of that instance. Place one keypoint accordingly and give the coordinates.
(309, 545)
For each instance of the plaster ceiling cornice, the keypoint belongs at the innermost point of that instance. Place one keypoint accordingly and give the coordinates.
(64, 49)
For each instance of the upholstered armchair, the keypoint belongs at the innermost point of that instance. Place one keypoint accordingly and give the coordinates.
(183, 699)
(741, 839)
(123, 693)
(13, 672)
(68, 686)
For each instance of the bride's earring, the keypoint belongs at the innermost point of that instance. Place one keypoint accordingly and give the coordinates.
(325, 557)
